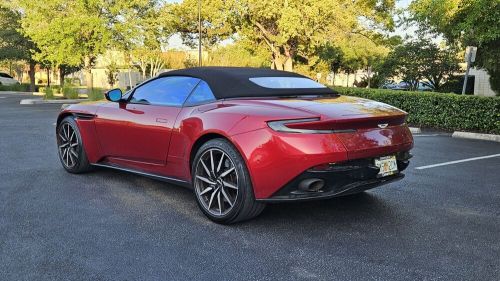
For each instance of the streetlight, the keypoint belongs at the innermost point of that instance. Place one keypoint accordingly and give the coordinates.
(199, 32)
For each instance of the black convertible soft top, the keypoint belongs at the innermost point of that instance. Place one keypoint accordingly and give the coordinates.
(233, 82)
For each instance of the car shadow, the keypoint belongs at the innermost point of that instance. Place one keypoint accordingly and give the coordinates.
(366, 208)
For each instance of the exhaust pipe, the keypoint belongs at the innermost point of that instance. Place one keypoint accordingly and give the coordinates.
(312, 185)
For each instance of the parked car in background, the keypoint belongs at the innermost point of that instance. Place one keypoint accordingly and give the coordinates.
(425, 87)
(6, 79)
(401, 86)
(405, 86)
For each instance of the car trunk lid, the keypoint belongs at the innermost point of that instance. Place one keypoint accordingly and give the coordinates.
(366, 128)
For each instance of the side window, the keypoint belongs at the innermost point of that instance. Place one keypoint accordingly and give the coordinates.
(201, 94)
(171, 91)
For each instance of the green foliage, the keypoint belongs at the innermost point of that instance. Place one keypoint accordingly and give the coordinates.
(15, 88)
(466, 22)
(439, 110)
(76, 32)
(418, 60)
(289, 31)
(70, 93)
(49, 93)
(495, 82)
(112, 73)
(95, 94)
(455, 83)
(237, 55)
(13, 44)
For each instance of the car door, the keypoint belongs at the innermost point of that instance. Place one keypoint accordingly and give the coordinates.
(139, 128)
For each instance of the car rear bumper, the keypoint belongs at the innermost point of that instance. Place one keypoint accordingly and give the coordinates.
(275, 159)
(347, 189)
(338, 180)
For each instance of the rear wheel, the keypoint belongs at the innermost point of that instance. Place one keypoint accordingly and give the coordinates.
(222, 184)
(70, 147)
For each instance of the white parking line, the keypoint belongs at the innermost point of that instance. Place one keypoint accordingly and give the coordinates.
(429, 135)
(457, 161)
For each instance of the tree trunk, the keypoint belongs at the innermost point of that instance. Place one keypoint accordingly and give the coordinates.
(288, 65)
(31, 74)
(87, 69)
(130, 78)
(61, 76)
(48, 77)
(89, 83)
(151, 68)
(282, 62)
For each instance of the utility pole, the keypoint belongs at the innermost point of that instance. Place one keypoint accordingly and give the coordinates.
(470, 57)
(199, 32)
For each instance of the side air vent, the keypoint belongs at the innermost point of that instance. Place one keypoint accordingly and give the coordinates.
(85, 116)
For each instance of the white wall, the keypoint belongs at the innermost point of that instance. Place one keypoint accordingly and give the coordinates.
(481, 83)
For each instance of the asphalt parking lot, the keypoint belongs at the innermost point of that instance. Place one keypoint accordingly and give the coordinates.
(439, 223)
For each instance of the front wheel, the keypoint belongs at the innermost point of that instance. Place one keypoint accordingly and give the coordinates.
(70, 147)
(222, 184)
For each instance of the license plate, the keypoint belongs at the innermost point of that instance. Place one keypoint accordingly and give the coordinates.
(387, 164)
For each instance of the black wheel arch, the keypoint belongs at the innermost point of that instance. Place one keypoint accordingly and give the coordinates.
(200, 141)
(62, 116)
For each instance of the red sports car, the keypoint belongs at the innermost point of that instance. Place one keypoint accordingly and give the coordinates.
(241, 137)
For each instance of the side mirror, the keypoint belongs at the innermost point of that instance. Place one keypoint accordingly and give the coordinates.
(114, 95)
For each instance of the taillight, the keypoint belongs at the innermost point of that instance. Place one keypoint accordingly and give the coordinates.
(302, 126)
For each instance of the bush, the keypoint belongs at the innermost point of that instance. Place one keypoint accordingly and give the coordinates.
(439, 110)
(70, 93)
(95, 94)
(456, 83)
(15, 87)
(49, 93)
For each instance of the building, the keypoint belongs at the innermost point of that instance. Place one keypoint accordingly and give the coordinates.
(482, 86)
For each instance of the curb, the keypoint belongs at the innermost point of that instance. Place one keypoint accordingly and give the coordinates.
(42, 101)
(415, 130)
(476, 136)
(15, 93)
(39, 94)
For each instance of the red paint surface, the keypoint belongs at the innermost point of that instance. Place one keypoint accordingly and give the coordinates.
(160, 139)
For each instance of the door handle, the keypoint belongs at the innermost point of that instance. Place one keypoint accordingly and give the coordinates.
(161, 120)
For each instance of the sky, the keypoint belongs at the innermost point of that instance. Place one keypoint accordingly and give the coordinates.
(175, 42)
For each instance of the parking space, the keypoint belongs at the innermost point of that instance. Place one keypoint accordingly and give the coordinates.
(439, 223)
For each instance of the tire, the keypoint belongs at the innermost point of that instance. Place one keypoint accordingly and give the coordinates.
(223, 190)
(70, 147)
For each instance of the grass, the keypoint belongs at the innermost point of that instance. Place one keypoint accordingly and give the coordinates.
(95, 94)
(49, 94)
(70, 93)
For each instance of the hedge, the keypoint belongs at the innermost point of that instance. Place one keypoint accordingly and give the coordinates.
(438, 110)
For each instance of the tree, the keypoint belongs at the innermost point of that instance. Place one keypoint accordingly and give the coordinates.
(13, 44)
(417, 60)
(465, 22)
(76, 32)
(67, 32)
(237, 55)
(216, 23)
(290, 30)
(438, 64)
(141, 35)
(112, 73)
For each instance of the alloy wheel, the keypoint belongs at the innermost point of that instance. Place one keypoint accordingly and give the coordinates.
(216, 182)
(68, 145)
